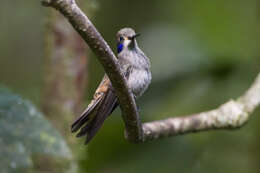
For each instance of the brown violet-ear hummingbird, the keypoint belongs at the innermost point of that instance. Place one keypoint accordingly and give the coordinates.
(136, 68)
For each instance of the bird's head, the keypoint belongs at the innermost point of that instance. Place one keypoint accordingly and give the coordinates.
(126, 39)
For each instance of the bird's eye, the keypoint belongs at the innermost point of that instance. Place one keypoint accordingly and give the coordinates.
(121, 39)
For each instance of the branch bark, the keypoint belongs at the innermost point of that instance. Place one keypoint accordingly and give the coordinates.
(232, 114)
(106, 57)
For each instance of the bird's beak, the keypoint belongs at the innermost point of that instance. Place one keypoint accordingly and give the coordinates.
(136, 35)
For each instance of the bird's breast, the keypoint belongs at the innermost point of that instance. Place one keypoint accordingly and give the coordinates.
(139, 76)
(138, 81)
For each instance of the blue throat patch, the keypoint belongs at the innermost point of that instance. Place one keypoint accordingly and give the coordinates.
(119, 47)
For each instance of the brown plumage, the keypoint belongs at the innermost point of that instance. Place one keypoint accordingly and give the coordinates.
(102, 105)
(136, 68)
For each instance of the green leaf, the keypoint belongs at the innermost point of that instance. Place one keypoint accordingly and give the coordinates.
(27, 139)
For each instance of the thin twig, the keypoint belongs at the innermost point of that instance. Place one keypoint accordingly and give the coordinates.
(232, 114)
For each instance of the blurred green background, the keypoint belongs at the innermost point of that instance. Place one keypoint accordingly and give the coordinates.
(203, 53)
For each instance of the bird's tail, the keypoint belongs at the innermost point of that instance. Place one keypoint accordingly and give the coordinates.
(94, 116)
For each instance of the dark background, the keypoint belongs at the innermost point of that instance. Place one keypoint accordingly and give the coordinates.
(203, 53)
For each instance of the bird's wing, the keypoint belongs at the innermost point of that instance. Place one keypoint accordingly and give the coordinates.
(102, 105)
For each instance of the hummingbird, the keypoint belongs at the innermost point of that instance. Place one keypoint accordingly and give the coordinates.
(135, 66)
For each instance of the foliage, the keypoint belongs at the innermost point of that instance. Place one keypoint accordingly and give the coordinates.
(27, 138)
(202, 54)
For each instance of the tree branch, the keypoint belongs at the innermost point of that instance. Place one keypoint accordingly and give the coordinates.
(106, 57)
(232, 114)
